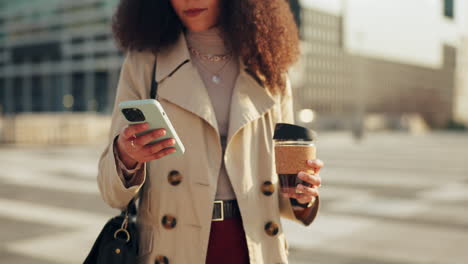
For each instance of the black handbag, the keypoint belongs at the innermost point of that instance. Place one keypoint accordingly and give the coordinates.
(117, 243)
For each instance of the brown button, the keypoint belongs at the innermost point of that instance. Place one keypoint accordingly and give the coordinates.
(268, 188)
(174, 177)
(271, 228)
(169, 221)
(161, 260)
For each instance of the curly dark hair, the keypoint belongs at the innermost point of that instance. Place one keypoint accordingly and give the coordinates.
(262, 32)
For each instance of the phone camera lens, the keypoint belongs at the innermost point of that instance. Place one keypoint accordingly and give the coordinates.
(133, 114)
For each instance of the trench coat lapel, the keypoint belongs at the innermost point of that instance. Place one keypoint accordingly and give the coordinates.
(249, 101)
(181, 84)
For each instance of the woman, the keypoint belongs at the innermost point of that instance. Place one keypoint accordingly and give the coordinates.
(221, 69)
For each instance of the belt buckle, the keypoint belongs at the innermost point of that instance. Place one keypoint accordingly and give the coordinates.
(221, 204)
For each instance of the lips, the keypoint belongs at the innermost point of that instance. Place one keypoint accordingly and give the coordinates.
(193, 12)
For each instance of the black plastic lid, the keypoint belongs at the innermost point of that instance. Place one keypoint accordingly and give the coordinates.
(284, 131)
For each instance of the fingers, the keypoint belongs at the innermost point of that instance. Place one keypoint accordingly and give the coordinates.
(155, 148)
(131, 130)
(159, 154)
(315, 180)
(303, 193)
(138, 149)
(305, 199)
(310, 191)
(300, 192)
(147, 138)
(317, 164)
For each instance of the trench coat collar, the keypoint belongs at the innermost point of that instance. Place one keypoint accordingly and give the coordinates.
(181, 84)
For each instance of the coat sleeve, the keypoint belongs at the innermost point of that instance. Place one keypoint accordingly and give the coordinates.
(114, 188)
(287, 116)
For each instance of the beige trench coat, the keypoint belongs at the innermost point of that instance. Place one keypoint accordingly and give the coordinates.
(248, 157)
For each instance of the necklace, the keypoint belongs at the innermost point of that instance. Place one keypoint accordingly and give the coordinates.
(215, 78)
(210, 57)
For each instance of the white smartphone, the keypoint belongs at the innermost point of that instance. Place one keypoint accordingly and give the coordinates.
(151, 111)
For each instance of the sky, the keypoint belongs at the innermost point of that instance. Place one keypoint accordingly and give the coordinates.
(405, 31)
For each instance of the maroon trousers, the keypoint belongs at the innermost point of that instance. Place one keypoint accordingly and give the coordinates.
(227, 243)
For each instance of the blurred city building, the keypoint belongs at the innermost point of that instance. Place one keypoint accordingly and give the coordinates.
(363, 62)
(58, 69)
(461, 110)
(57, 55)
(394, 60)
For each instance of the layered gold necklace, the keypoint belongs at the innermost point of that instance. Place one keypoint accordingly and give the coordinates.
(215, 77)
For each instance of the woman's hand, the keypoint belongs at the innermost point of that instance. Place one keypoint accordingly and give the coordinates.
(305, 194)
(132, 149)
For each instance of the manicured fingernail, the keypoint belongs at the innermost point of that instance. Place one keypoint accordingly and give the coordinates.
(301, 174)
(310, 162)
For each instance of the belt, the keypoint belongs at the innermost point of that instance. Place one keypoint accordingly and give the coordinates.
(225, 209)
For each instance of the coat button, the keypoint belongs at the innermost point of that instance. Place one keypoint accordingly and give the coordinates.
(161, 260)
(174, 177)
(169, 221)
(271, 228)
(268, 188)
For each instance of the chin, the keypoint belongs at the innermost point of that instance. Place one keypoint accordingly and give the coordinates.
(199, 28)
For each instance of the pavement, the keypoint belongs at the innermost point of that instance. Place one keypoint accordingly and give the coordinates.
(393, 198)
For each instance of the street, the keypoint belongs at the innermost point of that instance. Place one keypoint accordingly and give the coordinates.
(394, 198)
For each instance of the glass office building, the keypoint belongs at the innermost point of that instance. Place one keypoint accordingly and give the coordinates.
(57, 56)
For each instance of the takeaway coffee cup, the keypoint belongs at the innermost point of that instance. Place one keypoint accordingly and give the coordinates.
(294, 145)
